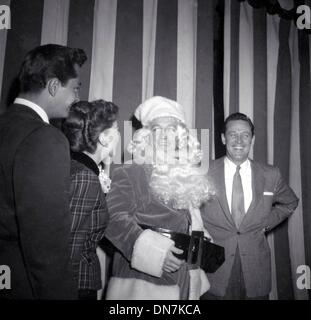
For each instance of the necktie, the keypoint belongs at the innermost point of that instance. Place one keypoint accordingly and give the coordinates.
(237, 204)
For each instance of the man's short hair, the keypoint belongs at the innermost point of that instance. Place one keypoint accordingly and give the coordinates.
(46, 62)
(238, 116)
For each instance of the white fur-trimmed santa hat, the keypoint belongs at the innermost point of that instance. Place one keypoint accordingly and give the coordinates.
(157, 107)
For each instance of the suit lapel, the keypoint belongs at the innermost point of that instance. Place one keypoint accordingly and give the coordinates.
(219, 179)
(258, 182)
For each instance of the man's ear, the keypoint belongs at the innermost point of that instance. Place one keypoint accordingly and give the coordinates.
(253, 140)
(52, 86)
(223, 139)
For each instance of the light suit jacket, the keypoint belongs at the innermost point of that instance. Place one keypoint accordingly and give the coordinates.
(273, 201)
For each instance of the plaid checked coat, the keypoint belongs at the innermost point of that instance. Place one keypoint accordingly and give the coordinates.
(90, 216)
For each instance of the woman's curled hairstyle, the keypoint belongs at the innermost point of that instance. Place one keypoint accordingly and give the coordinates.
(86, 121)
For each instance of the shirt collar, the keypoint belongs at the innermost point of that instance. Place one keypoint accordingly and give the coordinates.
(232, 166)
(86, 160)
(43, 115)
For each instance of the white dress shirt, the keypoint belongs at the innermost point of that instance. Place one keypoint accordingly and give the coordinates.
(246, 177)
(34, 107)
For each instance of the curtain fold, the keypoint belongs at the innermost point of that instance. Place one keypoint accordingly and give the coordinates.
(246, 60)
(246, 63)
(215, 57)
(3, 37)
(282, 132)
(260, 84)
(305, 134)
(165, 69)
(80, 31)
(204, 102)
(295, 223)
(227, 55)
(102, 68)
(55, 22)
(149, 43)
(186, 57)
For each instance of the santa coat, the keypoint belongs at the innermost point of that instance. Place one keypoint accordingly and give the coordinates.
(137, 266)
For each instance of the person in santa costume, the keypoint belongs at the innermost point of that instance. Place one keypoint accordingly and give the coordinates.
(154, 210)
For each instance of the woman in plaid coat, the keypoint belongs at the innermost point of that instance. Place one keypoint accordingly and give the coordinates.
(91, 129)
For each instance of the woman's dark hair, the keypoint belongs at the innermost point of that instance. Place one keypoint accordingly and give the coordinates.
(47, 62)
(86, 121)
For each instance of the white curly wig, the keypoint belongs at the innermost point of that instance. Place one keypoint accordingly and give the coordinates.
(179, 184)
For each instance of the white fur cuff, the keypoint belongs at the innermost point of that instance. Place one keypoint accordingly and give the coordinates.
(149, 252)
(137, 289)
(199, 284)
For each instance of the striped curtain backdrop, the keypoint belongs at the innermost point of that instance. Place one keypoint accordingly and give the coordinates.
(214, 57)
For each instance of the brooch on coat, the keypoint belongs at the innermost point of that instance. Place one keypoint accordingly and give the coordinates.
(104, 180)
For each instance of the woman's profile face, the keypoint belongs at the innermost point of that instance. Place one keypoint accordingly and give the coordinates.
(113, 138)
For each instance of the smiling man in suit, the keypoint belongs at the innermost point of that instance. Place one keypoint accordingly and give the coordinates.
(250, 199)
(34, 177)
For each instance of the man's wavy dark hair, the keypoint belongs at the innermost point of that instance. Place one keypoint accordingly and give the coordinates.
(47, 62)
(238, 116)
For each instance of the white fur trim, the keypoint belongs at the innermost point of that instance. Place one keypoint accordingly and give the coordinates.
(150, 250)
(199, 284)
(137, 289)
(196, 219)
(197, 222)
(156, 107)
(205, 285)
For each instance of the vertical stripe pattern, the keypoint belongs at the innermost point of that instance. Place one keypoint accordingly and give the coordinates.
(3, 37)
(215, 57)
(165, 73)
(305, 134)
(186, 57)
(282, 131)
(204, 68)
(272, 60)
(80, 34)
(295, 223)
(149, 41)
(127, 77)
(55, 22)
(234, 56)
(24, 35)
(101, 83)
(246, 63)
(260, 84)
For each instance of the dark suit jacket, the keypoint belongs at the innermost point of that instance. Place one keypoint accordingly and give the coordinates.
(273, 201)
(34, 207)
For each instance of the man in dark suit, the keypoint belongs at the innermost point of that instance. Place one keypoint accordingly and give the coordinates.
(250, 199)
(34, 177)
